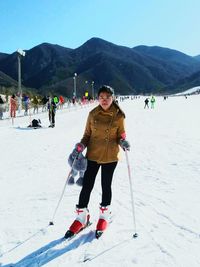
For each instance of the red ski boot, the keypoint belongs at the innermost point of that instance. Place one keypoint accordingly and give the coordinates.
(103, 220)
(81, 221)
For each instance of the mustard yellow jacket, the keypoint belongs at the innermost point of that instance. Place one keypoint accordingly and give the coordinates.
(102, 134)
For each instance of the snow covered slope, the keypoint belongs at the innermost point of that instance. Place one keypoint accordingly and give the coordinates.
(190, 91)
(165, 166)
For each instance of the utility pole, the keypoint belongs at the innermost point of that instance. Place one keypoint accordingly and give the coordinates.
(75, 75)
(20, 54)
(93, 95)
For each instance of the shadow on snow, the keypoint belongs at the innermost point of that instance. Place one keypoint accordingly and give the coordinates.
(52, 251)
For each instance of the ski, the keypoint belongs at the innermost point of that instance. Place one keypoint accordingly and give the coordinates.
(69, 234)
(98, 234)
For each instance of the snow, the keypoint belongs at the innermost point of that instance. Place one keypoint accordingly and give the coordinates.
(165, 169)
(190, 91)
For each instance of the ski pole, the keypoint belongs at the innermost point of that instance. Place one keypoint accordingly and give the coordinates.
(131, 191)
(61, 196)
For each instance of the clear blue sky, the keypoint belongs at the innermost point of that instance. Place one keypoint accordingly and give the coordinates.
(168, 23)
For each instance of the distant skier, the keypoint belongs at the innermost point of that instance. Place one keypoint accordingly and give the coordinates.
(26, 101)
(35, 102)
(74, 100)
(103, 134)
(153, 100)
(44, 103)
(1, 108)
(146, 103)
(61, 102)
(52, 112)
(56, 99)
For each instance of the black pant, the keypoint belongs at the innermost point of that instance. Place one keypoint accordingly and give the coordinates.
(52, 117)
(107, 170)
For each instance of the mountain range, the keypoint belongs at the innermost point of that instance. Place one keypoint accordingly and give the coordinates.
(49, 68)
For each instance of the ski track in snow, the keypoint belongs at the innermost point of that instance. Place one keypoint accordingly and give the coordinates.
(164, 160)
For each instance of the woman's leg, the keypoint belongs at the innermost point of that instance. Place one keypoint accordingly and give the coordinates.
(88, 183)
(107, 171)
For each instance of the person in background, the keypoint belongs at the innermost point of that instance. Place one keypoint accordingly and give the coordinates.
(74, 100)
(1, 108)
(61, 102)
(13, 106)
(52, 112)
(35, 103)
(26, 101)
(146, 103)
(56, 100)
(153, 100)
(104, 133)
(44, 101)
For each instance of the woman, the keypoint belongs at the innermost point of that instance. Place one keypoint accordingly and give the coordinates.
(13, 106)
(103, 134)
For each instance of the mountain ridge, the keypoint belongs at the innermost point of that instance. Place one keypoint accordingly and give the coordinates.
(138, 70)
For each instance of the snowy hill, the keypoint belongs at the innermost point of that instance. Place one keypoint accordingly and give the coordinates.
(193, 90)
(165, 167)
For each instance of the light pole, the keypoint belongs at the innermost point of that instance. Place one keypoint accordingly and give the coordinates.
(75, 75)
(20, 54)
(86, 90)
(92, 89)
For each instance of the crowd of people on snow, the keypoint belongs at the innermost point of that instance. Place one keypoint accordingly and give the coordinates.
(15, 104)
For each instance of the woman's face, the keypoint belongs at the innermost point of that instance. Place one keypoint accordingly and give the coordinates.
(105, 100)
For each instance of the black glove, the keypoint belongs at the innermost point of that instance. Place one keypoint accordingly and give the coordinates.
(124, 144)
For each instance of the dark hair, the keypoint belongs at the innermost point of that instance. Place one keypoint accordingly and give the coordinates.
(118, 107)
(106, 89)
